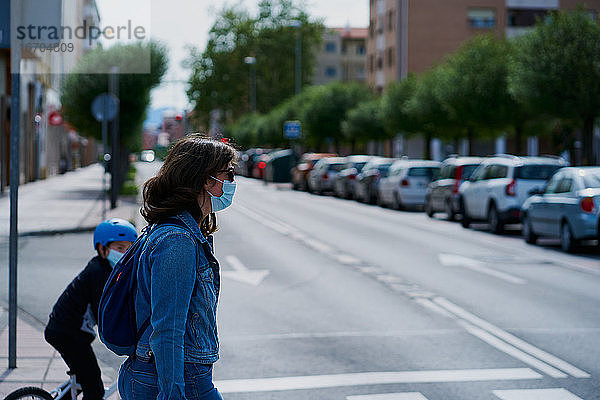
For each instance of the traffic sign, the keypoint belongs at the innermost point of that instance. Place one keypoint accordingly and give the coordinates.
(105, 107)
(292, 129)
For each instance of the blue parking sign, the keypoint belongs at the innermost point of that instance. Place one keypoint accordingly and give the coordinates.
(291, 129)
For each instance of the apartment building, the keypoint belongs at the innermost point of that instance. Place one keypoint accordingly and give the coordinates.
(410, 36)
(342, 56)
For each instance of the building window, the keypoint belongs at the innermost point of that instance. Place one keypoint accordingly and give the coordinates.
(390, 57)
(360, 49)
(330, 72)
(524, 18)
(481, 18)
(379, 63)
(390, 21)
(330, 47)
(371, 62)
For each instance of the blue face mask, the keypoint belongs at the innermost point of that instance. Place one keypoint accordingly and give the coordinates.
(113, 256)
(220, 203)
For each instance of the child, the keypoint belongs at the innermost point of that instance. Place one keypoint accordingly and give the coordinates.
(70, 329)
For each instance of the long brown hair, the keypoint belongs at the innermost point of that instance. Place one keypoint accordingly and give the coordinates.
(181, 179)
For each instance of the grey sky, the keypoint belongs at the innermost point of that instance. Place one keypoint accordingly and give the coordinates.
(181, 22)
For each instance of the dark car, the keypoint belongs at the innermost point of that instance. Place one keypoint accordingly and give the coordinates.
(302, 169)
(365, 184)
(343, 186)
(248, 161)
(442, 193)
(277, 169)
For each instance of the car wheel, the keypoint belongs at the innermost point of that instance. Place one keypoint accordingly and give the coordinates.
(429, 208)
(494, 221)
(527, 231)
(466, 220)
(450, 215)
(567, 243)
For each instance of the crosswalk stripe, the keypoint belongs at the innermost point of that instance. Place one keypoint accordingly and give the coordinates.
(390, 396)
(373, 378)
(536, 394)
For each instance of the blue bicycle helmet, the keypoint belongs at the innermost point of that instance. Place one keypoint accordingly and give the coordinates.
(114, 230)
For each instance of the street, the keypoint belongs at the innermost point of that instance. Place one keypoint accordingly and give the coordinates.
(324, 298)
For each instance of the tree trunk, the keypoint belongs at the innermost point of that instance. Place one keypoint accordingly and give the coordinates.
(470, 137)
(518, 139)
(428, 146)
(588, 141)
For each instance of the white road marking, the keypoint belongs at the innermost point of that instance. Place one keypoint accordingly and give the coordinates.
(434, 307)
(536, 394)
(390, 396)
(373, 378)
(242, 274)
(346, 259)
(512, 351)
(511, 339)
(318, 246)
(454, 260)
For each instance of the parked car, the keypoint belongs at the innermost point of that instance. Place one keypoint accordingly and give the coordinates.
(320, 179)
(406, 183)
(248, 161)
(442, 193)
(147, 155)
(365, 183)
(500, 185)
(568, 208)
(302, 169)
(343, 186)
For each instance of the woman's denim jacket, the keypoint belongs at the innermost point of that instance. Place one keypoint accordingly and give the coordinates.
(178, 279)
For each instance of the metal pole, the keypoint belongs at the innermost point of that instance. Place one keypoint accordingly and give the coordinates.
(298, 59)
(15, 113)
(115, 173)
(253, 84)
(105, 160)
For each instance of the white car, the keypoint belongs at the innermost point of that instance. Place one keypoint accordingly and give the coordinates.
(406, 183)
(321, 178)
(500, 185)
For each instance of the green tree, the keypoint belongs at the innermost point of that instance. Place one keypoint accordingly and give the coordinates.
(325, 107)
(425, 112)
(474, 90)
(394, 106)
(81, 87)
(556, 71)
(221, 80)
(365, 122)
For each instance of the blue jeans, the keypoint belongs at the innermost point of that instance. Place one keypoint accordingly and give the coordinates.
(138, 380)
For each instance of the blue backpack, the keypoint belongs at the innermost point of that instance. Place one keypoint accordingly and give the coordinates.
(117, 323)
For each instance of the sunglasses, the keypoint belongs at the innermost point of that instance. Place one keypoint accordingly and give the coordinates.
(230, 174)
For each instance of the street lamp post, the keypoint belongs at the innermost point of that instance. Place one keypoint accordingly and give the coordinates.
(298, 70)
(252, 62)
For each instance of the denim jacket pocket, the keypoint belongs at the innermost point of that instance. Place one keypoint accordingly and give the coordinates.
(202, 328)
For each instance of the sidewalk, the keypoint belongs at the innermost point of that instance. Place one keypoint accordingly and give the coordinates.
(60, 204)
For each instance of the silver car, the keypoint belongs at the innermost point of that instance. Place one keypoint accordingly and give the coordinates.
(321, 178)
(567, 208)
(406, 183)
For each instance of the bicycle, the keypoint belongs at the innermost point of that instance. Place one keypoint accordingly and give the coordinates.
(69, 387)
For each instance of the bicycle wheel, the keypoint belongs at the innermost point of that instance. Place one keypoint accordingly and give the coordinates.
(29, 392)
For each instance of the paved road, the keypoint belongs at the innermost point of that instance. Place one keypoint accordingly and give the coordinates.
(331, 299)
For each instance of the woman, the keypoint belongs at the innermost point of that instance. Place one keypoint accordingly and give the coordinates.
(178, 275)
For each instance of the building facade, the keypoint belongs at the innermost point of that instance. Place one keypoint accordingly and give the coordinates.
(342, 56)
(410, 36)
(45, 148)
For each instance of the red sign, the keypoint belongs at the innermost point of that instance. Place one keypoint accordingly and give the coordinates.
(55, 119)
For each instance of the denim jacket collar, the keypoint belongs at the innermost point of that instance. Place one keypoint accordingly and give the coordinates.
(191, 223)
